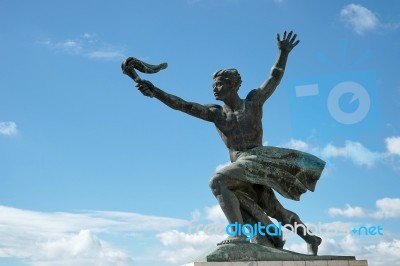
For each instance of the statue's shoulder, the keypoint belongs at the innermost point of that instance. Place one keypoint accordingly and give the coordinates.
(252, 94)
(213, 107)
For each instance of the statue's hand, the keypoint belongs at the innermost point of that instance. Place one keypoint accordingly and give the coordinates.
(146, 87)
(288, 42)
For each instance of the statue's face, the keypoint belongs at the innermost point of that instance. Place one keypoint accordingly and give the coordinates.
(222, 88)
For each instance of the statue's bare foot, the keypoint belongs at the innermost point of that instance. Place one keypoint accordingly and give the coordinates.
(233, 239)
(312, 247)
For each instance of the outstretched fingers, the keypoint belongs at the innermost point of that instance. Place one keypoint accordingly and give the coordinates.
(293, 41)
(288, 40)
(289, 35)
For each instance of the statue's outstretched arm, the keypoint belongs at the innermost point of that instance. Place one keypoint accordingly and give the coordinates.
(205, 112)
(285, 45)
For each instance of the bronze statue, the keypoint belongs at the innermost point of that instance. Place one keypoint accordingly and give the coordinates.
(244, 189)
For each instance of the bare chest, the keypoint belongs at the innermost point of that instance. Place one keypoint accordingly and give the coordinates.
(244, 120)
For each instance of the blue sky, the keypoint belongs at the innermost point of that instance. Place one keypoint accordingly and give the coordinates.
(94, 173)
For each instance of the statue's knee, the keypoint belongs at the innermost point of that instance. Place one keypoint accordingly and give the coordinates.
(215, 184)
(293, 216)
(289, 217)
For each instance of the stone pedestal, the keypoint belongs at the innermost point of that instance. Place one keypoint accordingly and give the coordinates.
(284, 263)
(249, 254)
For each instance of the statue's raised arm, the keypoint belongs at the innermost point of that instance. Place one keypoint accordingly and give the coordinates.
(285, 45)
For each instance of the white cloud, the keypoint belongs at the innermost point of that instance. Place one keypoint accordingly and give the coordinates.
(359, 18)
(354, 151)
(386, 208)
(60, 238)
(88, 35)
(347, 245)
(181, 247)
(220, 166)
(362, 156)
(297, 145)
(8, 128)
(98, 221)
(180, 256)
(362, 20)
(347, 212)
(196, 214)
(204, 231)
(200, 238)
(381, 253)
(392, 156)
(359, 154)
(215, 214)
(393, 145)
(105, 54)
(83, 248)
(386, 252)
(333, 151)
(70, 45)
(184, 247)
(86, 45)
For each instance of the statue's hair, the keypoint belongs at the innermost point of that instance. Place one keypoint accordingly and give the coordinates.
(231, 74)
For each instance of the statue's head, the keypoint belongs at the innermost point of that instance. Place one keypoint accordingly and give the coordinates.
(225, 82)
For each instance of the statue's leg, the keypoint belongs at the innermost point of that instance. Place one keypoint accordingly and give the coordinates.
(222, 187)
(275, 209)
(223, 184)
(254, 214)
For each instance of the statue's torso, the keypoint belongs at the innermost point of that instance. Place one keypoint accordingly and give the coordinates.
(241, 129)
